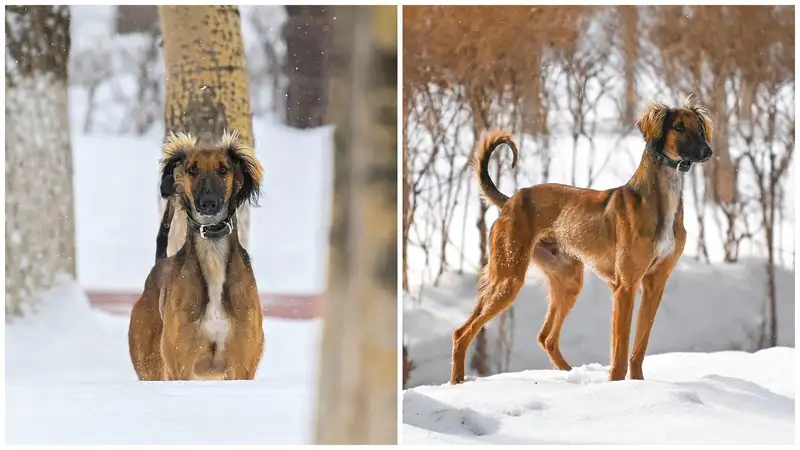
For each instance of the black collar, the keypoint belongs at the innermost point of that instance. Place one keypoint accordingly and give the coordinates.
(212, 231)
(680, 165)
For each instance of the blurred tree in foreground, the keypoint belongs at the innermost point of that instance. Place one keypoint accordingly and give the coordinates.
(207, 87)
(358, 372)
(40, 223)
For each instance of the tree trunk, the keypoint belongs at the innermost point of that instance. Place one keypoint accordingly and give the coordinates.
(307, 35)
(480, 359)
(700, 208)
(408, 366)
(407, 217)
(359, 359)
(207, 90)
(719, 171)
(40, 223)
(630, 48)
(772, 313)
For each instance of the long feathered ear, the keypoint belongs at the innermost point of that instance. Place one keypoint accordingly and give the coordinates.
(248, 170)
(173, 153)
(651, 123)
(692, 104)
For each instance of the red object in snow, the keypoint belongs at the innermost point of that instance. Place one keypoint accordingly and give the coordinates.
(289, 306)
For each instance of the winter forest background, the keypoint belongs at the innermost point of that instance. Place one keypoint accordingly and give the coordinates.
(90, 93)
(112, 61)
(569, 82)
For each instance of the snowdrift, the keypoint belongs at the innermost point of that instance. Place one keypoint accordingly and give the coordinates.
(698, 398)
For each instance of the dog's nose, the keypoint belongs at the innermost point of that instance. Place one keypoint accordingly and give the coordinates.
(706, 153)
(207, 204)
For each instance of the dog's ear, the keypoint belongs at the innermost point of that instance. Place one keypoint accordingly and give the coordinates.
(651, 124)
(702, 116)
(168, 175)
(174, 153)
(247, 170)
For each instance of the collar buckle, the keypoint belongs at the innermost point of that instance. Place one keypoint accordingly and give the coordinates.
(683, 165)
(204, 230)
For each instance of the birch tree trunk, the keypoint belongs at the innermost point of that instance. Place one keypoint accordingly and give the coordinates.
(359, 361)
(207, 90)
(40, 223)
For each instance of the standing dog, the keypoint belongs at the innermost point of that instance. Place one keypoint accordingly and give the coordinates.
(631, 235)
(200, 315)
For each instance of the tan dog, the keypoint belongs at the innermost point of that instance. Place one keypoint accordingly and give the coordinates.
(200, 316)
(630, 236)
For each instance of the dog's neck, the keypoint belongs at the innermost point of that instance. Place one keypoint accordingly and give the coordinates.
(663, 187)
(212, 244)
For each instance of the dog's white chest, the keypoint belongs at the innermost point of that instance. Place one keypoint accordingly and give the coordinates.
(665, 242)
(215, 323)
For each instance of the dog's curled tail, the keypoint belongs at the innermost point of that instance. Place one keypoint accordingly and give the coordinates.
(162, 239)
(480, 163)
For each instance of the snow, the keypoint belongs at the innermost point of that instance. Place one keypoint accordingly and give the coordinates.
(705, 308)
(68, 371)
(700, 398)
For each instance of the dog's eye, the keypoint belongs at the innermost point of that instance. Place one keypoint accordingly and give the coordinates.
(222, 171)
(679, 127)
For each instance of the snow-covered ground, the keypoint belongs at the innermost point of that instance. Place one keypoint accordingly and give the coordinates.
(686, 398)
(69, 380)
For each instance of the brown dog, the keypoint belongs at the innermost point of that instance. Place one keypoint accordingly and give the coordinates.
(629, 235)
(200, 315)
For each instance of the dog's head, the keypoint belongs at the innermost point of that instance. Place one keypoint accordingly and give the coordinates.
(211, 182)
(680, 133)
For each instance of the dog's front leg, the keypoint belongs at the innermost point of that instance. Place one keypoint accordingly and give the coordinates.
(652, 291)
(246, 348)
(622, 307)
(179, 348)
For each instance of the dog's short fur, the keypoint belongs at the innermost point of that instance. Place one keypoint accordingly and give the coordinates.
(630, 236)
(200, 316)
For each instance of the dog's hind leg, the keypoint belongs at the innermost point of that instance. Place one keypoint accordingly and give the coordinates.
(565, 280)
(495, 298)
(500, 283)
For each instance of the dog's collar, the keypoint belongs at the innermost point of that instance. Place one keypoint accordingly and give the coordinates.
(680, 165)
(211, 231)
